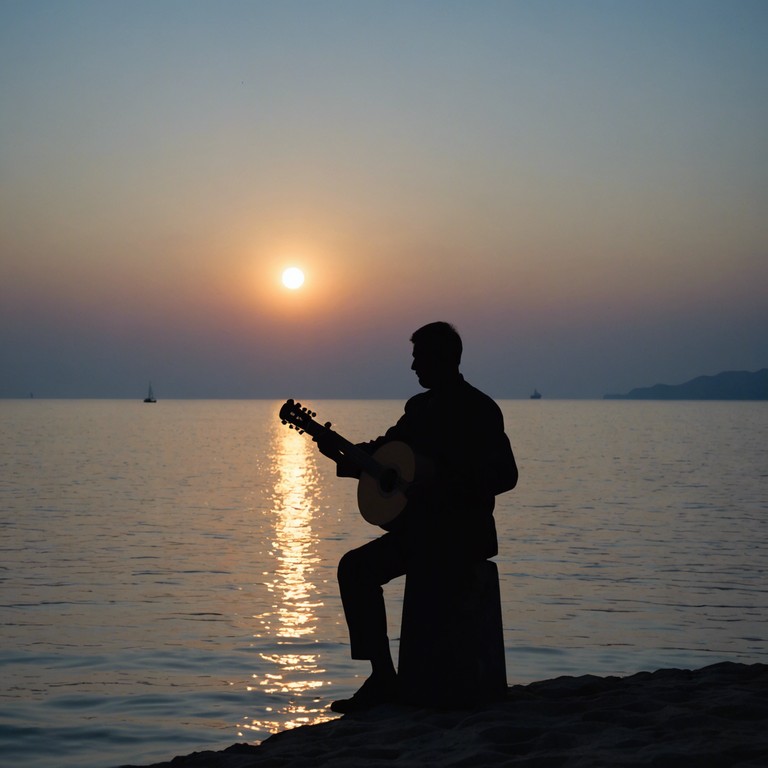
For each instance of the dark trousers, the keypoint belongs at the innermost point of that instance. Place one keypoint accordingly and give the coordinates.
(364, 570)
(361, 574)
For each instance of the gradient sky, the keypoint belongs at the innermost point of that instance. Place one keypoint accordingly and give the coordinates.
(581, 187)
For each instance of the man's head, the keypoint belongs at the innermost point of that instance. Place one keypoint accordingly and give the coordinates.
(437, 352)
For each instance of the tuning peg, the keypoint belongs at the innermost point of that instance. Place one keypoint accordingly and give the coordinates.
(312, 414)
(327, 425)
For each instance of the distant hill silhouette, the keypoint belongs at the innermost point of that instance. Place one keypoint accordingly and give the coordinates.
(729, 385)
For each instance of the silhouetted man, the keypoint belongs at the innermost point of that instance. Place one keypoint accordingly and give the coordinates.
(449, 518)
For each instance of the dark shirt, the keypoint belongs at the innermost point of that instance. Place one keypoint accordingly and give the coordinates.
(459, 433)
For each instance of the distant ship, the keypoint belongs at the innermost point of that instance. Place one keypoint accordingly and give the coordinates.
(536, 395)
(150, 398)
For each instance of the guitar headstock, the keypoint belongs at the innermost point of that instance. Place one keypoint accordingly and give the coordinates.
(296, 416)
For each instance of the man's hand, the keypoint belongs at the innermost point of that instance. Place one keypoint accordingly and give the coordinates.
(326, 444)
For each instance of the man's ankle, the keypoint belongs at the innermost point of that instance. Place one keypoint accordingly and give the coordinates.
(383, 668)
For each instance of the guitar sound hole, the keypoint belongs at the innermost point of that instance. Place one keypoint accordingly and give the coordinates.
(388, 480)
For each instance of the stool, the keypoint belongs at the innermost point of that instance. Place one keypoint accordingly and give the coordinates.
(452, 637)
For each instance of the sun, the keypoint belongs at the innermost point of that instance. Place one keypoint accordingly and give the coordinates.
(293, 278)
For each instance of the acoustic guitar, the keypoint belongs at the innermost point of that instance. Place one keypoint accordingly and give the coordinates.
(385, 475)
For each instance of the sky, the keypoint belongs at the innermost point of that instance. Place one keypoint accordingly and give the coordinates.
(581, 188)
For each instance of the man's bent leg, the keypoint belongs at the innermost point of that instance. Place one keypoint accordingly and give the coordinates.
(361, 573)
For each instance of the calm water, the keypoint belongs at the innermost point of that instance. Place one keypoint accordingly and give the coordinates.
(167, 581)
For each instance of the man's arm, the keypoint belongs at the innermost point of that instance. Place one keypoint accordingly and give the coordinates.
(328, 445)
(486, 450)
(502, 468)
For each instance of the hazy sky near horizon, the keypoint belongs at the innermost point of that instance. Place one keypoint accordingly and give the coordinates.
(581, 187)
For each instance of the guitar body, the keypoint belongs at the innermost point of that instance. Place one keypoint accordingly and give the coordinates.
(381, 499)
(384, 476)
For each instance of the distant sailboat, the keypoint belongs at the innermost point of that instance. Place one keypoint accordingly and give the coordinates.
(536, 395)
(150, 398)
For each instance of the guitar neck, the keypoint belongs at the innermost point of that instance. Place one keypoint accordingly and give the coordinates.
(302, 418)
(385, 476)
(355, 454)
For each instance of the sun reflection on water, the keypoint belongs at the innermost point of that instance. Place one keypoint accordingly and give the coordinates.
(290, 674)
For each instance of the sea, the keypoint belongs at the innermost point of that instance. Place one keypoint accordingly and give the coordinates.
(168, 570)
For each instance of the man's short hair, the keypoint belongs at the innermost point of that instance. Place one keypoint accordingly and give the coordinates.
(442, 339)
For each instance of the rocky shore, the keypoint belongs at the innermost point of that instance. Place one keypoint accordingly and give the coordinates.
(715, 717)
